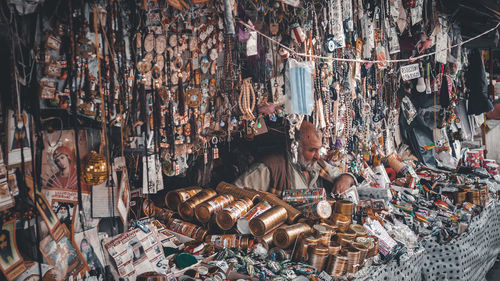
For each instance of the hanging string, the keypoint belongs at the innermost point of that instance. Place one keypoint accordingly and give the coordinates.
(411, 59)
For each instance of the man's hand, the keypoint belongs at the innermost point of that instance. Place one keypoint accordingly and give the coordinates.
(343, 183)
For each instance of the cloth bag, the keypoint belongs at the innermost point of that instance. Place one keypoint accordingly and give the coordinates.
(475, 78)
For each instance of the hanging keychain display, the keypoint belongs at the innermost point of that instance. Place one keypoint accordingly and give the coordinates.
(215, 149)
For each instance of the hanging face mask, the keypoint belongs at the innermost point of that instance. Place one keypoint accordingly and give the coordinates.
(298, 87)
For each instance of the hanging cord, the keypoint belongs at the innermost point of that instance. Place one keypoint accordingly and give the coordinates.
(111, 68)
(22, 176)
(293, 52)
(99, 80)
(36, 156)
(36, 180)
(74, 117)
(491, 88)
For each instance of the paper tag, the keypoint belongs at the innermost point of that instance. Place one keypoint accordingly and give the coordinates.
(369, 35)
(149, 175)
(441, 43)
(252, 44)
(294, 3)
(416, 13)
(325, 276)
(393, 41)
(337, 27)
(159, 174)
(347, 15)
(409, 72)
(216, 153)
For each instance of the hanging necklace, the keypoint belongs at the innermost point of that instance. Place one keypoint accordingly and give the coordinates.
(246, 101)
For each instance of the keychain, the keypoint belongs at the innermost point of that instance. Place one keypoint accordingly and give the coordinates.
(215, 149)
(205, 154)
(293, 119)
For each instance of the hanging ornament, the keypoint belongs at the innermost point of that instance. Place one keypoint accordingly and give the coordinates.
(95, 171)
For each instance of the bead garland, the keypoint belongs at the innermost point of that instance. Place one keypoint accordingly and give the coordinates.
(246, 101)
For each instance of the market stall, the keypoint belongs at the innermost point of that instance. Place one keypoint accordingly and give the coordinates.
(248, 140)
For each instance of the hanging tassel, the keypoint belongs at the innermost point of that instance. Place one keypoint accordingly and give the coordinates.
(194, 128)
(444, 95)
(180, 99)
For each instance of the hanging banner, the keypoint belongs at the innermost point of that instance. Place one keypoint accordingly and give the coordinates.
(64, 255)
(11, 262)
(48, 216)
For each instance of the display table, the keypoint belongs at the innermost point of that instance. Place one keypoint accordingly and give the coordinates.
(492, 138)
(409, 268)
(470, 256)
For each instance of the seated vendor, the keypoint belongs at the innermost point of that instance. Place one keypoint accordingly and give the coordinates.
(277, 172)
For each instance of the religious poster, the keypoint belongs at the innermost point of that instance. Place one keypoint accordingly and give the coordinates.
(48, 216)
(3, 168)
(6, 199)
(18, 139)
(64, 212)
(88, 243)
(59, 195)
(121, 175)
(32, 272)
(59, 160)
(11, 262)
(63, 255)
(88, 221)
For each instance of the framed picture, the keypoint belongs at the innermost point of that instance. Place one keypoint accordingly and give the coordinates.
(364, 204)
(88, 243)
(18, 137)
(88, 221)
(63, 255)
(6, 198)
(378, 205)
(65, 212)
(59, 160)
(3, 168)
(11, 262)
(48, 216)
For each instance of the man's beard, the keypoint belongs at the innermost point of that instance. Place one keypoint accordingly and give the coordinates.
(304, 165)
(62, 216)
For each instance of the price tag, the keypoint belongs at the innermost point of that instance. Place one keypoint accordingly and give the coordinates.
(409, 72)
(325, 276)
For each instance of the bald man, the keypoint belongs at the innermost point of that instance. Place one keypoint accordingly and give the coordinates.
(277, 172)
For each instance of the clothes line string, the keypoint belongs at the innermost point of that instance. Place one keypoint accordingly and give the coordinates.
(411, 59)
